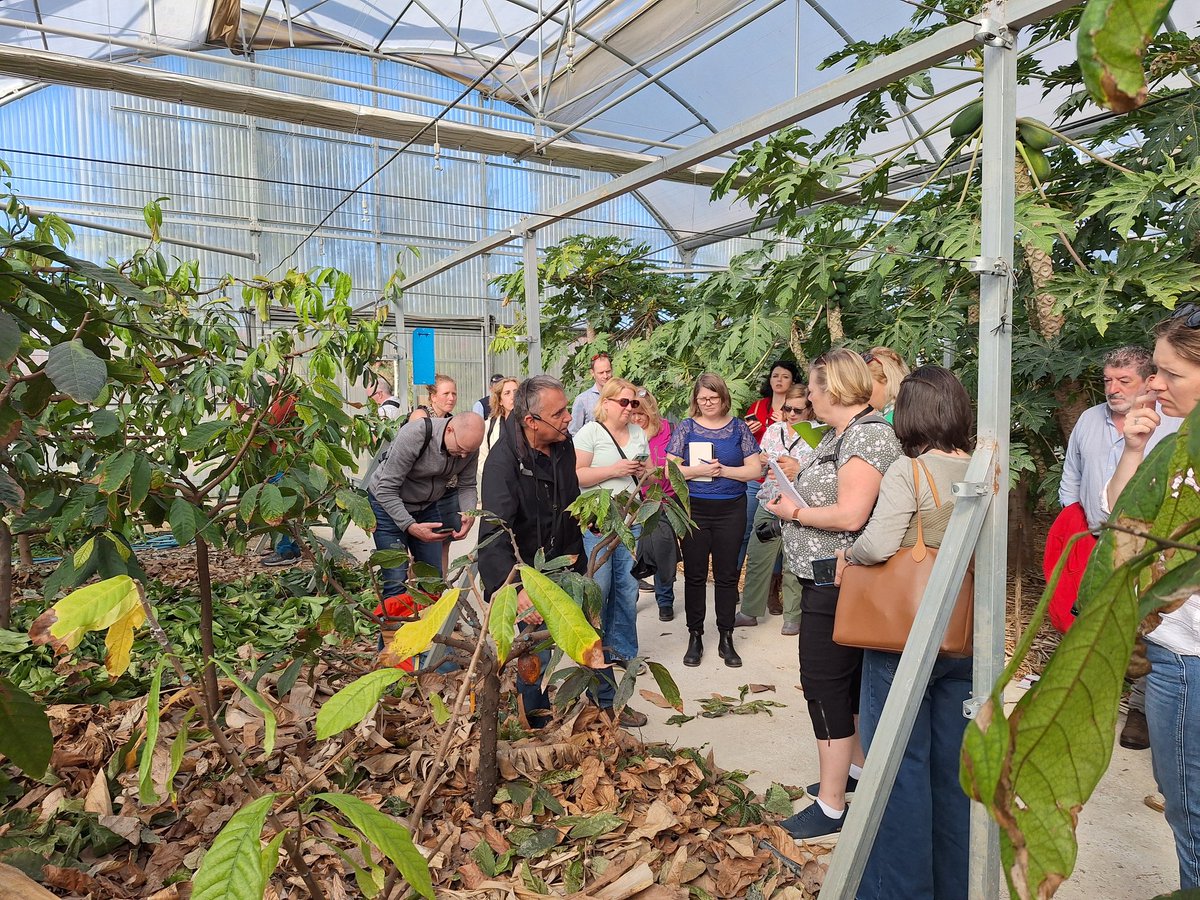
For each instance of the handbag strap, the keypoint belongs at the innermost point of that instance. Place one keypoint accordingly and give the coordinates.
(618, 446)
(920, 550)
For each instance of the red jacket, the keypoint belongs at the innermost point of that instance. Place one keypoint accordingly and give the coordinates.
(1070, 522)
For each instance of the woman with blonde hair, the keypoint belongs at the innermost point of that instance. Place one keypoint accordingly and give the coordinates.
(501, 404)
(661, 547)
(888, 369)
(839, 485)
(611, 453)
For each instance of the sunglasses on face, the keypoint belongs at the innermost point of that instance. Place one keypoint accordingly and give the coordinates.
(626, 402)
(1190, 315)
(867, 357)
(795, 410)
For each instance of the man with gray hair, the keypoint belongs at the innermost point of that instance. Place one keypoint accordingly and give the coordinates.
(529, 481)
(419, 488)
(1094, 447)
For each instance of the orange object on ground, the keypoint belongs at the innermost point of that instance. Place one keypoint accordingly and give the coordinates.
(402, 606)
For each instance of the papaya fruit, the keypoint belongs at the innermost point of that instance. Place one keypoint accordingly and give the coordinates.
(1034, 134)
(967, 122)
(1038, 165)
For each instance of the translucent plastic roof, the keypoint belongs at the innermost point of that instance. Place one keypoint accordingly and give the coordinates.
(642, 78)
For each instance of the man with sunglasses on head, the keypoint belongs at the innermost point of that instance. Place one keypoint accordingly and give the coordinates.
(429, 475)
(584, 409)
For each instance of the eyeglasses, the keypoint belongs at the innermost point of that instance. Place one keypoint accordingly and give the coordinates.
(601, 355)
(1190, 315)
(708, 399)
(624, 401)
(794, 410)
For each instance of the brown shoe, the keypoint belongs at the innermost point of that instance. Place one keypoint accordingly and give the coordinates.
(775, 596)
(741, 620)
(631, 718)
(790, 629)
(1135, 735)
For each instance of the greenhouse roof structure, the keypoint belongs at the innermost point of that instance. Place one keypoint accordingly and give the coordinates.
(606, 85)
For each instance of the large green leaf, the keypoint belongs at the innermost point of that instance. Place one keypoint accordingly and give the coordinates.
(233, 866)
(115, 469)
(10, 338)
(503, 619)
(25, 736)
(76, 371)
(203, 435)
(109, 277)
(1113, 36)
(348, 706)
(392, 839)
(271, 505)
(185, 521)
(91, 608)
(565, 620)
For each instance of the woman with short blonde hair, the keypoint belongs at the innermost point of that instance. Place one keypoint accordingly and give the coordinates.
(612, 389)
(888, 369)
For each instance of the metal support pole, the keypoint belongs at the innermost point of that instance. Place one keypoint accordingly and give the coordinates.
(912, 674)
(995, 389)
(533, 304)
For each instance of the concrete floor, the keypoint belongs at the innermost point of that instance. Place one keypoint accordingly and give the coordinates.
(1126, 851)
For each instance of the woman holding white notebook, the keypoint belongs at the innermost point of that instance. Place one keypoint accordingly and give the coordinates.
(717, 455)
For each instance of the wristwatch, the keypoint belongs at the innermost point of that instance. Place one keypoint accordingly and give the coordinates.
(796, 515)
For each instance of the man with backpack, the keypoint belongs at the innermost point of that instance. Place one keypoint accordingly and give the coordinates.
(428, 475)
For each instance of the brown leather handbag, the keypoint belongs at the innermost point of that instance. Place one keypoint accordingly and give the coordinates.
(877, 604)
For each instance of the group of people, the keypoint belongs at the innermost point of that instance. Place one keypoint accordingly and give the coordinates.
(859, 496)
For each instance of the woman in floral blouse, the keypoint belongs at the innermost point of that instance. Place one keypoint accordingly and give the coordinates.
(839, 484)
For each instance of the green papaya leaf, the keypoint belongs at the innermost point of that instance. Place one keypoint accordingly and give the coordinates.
(146, 792)
(25, 736)
(503, 620)
(389, 836)
(1112, 39)
(233, 866)
(350, 705)
(565, 620)
(76, 371)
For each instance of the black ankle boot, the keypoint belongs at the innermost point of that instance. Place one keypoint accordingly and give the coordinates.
(695, 649)
(725, 649)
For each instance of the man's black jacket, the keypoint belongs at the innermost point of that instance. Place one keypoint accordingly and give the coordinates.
(530, 492)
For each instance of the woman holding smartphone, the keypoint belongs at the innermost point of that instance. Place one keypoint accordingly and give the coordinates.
(718, 456)
(611, 453)
(839, 485)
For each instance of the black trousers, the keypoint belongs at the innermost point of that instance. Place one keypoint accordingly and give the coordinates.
(718, 535)
(830, 674)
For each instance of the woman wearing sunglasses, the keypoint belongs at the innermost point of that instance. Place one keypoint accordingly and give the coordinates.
(611, 453)
(766, 546)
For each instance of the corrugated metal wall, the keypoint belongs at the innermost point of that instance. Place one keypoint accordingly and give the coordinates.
(261, 186)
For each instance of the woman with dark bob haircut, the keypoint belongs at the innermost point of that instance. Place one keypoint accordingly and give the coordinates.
(921, 850)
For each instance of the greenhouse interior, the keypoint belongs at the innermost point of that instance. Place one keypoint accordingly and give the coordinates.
(376, 378)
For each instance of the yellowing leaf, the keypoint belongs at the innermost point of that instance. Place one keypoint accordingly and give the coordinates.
(119, 641)
(567, 624)
(92, 608)
(416, 637)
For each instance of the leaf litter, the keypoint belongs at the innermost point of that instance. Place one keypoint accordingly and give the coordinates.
(585, 809)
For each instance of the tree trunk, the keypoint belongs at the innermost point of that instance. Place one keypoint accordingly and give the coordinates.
(837, 333)
(487, 713)
(204, 577)
(1041, 271)
(25, 548)
(796, 344)
(6, 584)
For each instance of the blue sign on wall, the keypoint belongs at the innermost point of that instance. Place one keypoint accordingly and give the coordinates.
(423, 360)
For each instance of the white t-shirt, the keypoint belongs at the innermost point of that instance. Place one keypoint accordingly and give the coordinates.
(593, 439)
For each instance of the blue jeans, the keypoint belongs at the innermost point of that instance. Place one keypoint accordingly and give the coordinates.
(287, 547)
(752, 489)
(664, 587)
(921, 850)
(389, 536)
(618, 587)
(1173, 718)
